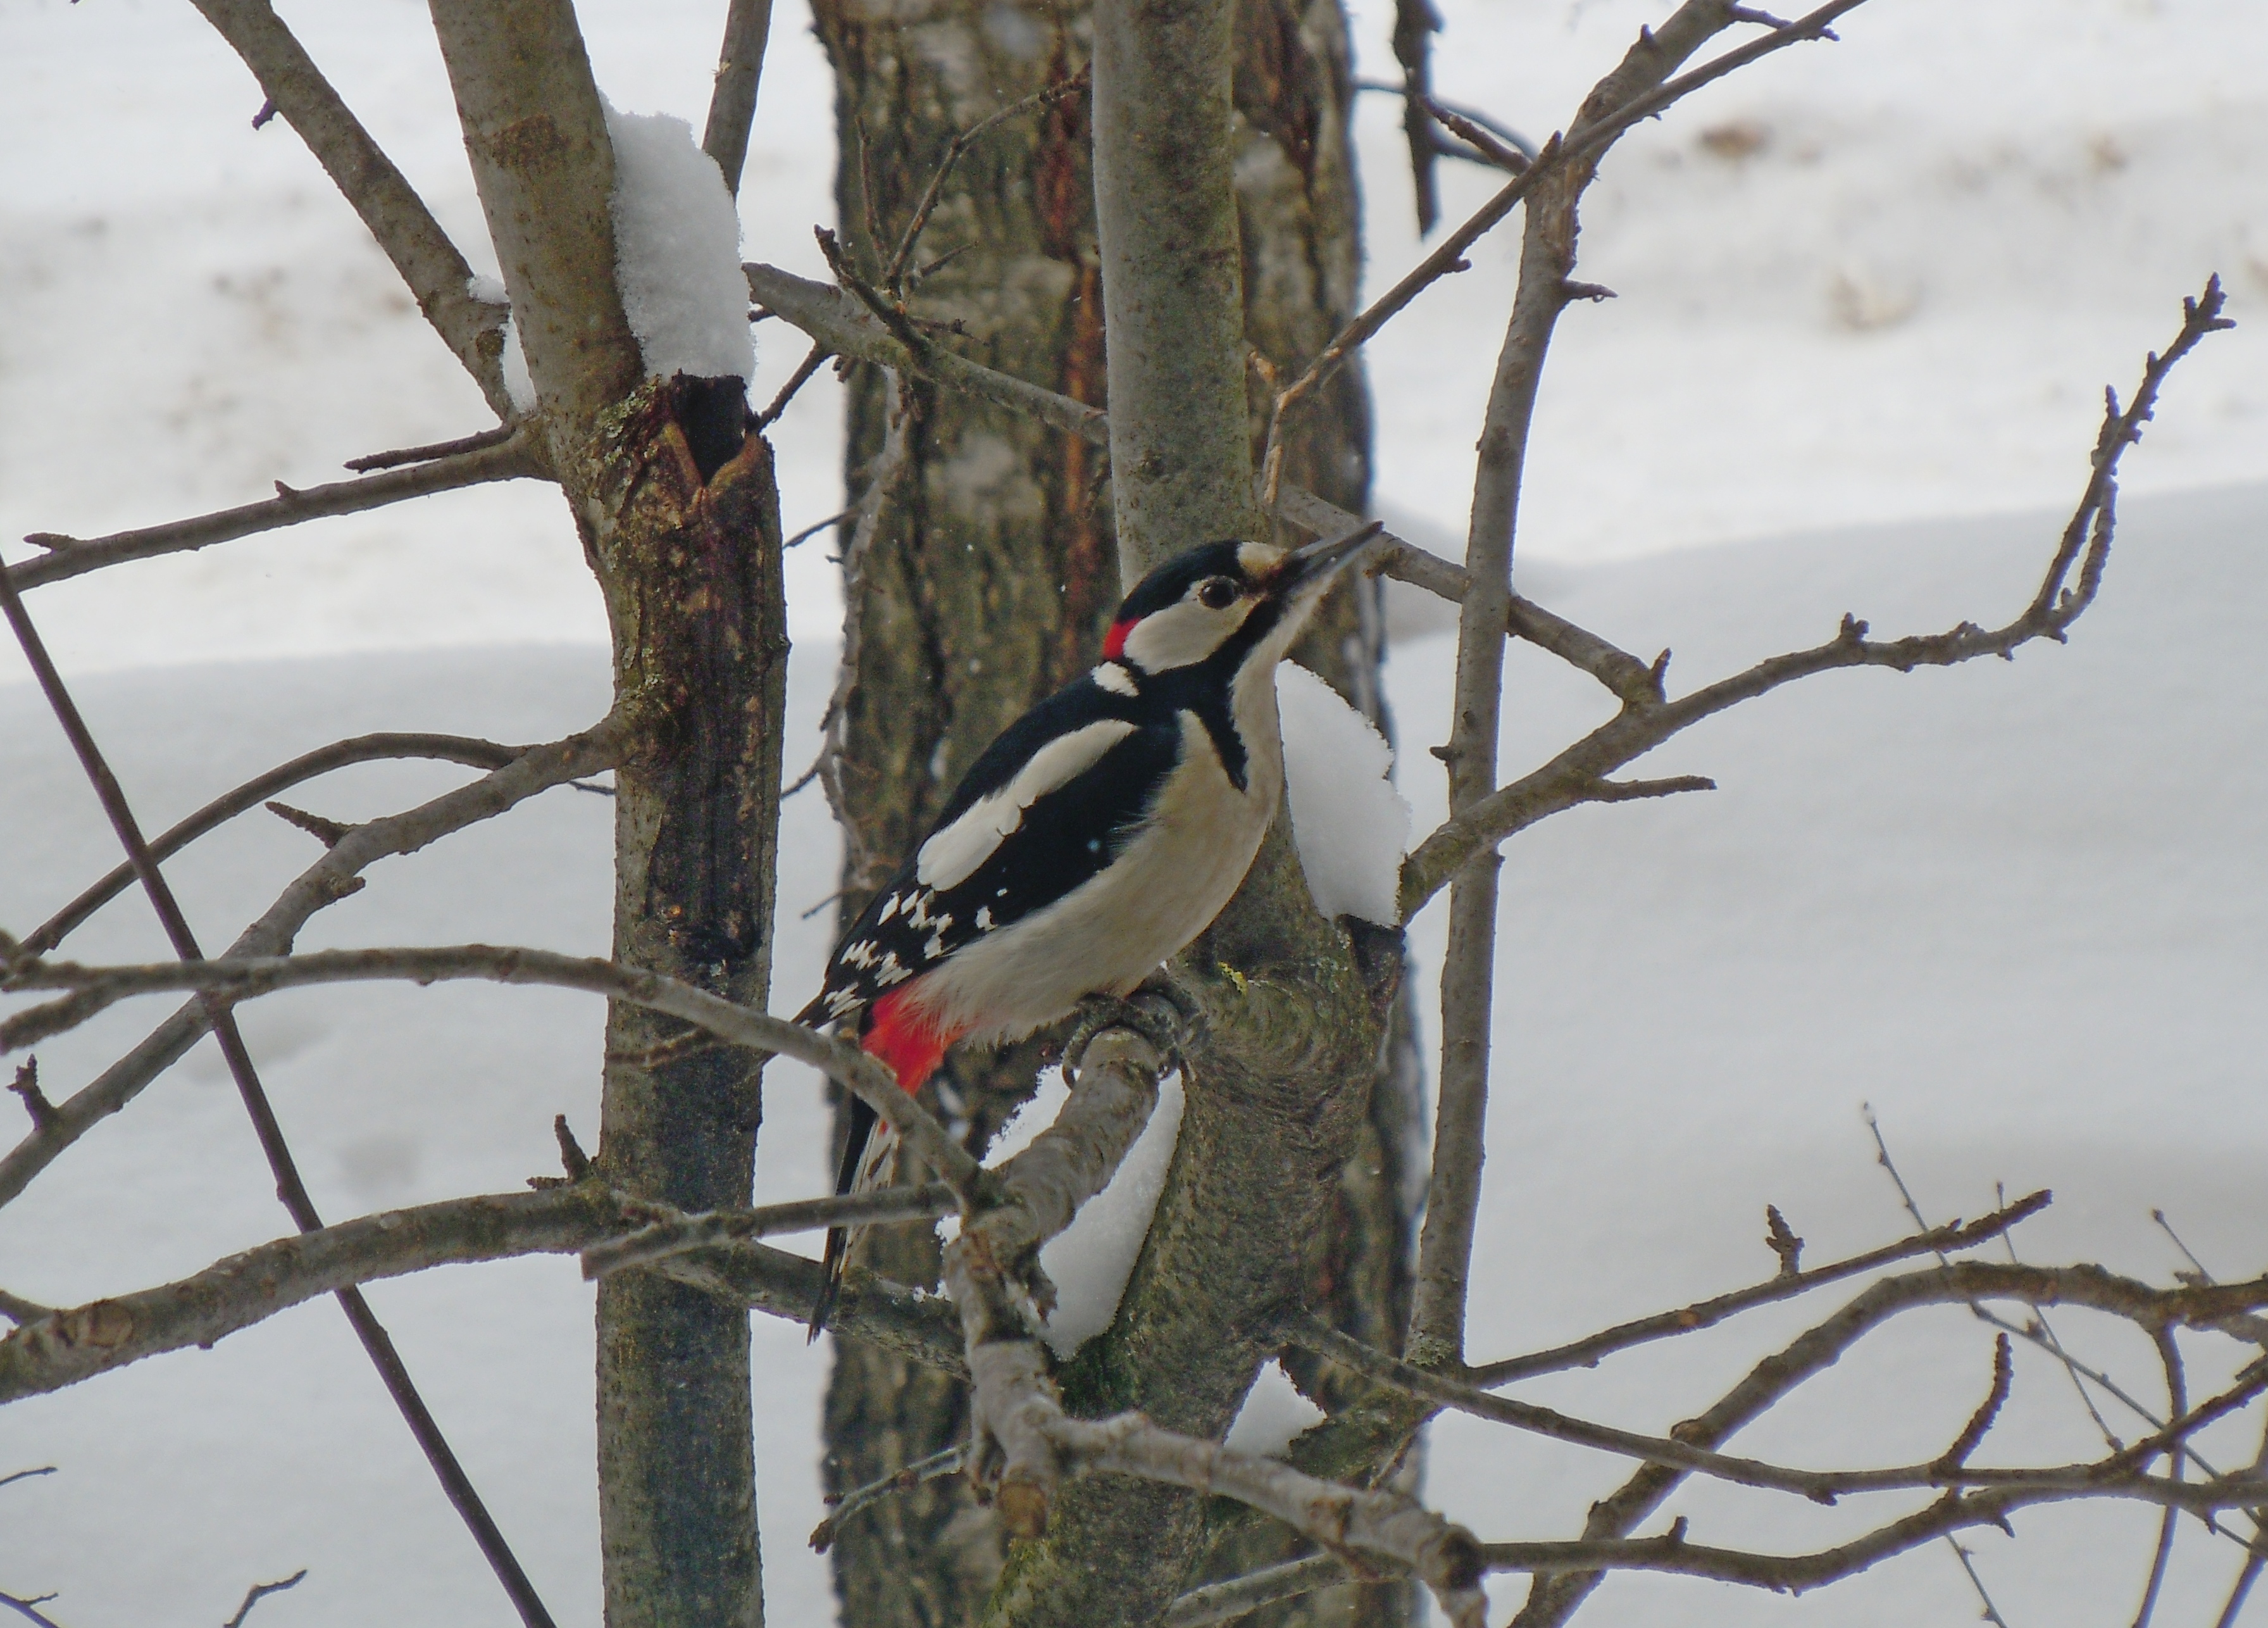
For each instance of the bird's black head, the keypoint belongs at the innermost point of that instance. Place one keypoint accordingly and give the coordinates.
(1203, 598)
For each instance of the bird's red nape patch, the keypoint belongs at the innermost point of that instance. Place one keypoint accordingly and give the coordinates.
(906, 1039)
(1113, 643)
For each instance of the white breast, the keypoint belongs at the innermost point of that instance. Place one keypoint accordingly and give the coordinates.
(1108, 934)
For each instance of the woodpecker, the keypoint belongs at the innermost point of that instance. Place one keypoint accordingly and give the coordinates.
(1094, 839)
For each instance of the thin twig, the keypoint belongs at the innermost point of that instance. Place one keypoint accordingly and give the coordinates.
(496, 436)
(1583, 143)
(2118, 1470)
(19, 1311)
(466, 749)
(809, 365)
(518, 458)
(25, 1475)
(894, 273)
(1586, 1352)
(935, 1466)
(29, 1608)
(258, 1592)
(806, 535)
(681, 1234)
(1991, 1613)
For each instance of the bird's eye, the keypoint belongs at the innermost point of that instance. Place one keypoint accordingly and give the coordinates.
(1217, 593)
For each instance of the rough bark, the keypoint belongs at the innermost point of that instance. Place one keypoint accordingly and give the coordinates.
(990, 580)
(678, 513)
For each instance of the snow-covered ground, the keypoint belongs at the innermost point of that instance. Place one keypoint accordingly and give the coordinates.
(2020, 910)
(2023, 910)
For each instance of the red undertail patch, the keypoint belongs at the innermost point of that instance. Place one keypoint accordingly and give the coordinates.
(905, 1038)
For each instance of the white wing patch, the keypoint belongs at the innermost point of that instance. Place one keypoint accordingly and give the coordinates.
(952, 855)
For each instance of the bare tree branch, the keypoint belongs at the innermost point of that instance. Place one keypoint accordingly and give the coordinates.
(291, 1189)
(1585, 1353)
(359, 749)
(334, 876)
(28, 1609)
(1591, 136)
(237, 978)
(60, 1347)
(835, 318)
(436, 273)
(1615, 1517)
(258, 1592)
(679, 1235)
(395, 459)
(732, 104)
(2120, 1470)
(520, 457)
(894, 274)
(2059, 601)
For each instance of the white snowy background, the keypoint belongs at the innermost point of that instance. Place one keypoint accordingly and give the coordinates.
(1870, 293)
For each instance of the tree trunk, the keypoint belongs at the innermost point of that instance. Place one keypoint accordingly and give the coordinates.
(988, 584)
(678, 516)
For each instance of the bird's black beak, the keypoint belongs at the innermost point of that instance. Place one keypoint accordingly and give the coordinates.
(1308, 572)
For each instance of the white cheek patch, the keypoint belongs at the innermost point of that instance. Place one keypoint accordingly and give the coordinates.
(1257, 559)
(952, 855)
(1181, 635)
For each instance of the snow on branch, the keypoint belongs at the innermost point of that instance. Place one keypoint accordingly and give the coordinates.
(1350, 824)
(1025, 1445)
(677, 251)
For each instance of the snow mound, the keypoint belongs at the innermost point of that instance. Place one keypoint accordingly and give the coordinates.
(677, 250)
(1352, 826)
(1090, 1261)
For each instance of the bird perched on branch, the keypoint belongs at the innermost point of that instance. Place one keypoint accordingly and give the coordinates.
(1094, 839)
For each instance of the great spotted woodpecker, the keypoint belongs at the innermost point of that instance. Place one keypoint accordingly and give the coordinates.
(1096, 838)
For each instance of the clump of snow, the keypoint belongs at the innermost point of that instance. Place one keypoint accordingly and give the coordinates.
(1273, 1414)
(1352, 826)
(677, 250)
(1090, 1261)
(517, 384)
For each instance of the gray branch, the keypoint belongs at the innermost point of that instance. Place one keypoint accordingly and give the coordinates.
(2066, 589)
(242, 978)
(436, 273)
(340, 754)
(520, 457)
(334, 876)
(732, 104)
(60, 1347)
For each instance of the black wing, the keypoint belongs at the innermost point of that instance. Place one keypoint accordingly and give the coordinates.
(1067, 835)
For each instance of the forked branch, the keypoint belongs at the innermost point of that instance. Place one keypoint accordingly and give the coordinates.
(2067, 587)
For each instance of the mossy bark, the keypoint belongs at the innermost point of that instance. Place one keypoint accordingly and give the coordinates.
(988, 585)
(690, 564)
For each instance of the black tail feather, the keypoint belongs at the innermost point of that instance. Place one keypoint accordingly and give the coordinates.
(838, 1238)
